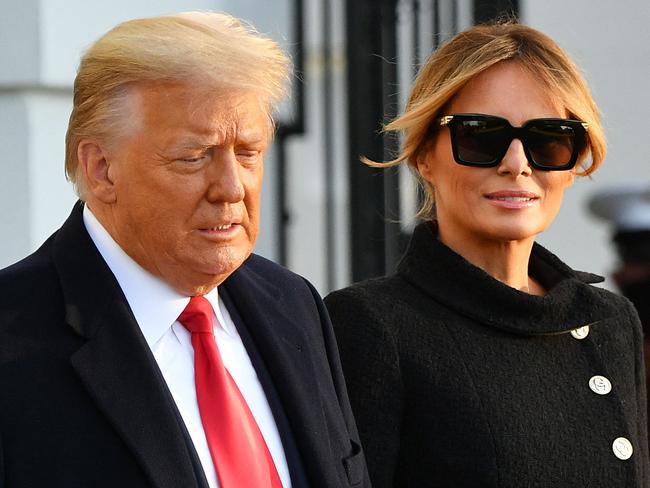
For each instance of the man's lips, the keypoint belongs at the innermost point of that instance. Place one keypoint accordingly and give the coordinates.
(221, 231)
(220, 227)
(512, 198)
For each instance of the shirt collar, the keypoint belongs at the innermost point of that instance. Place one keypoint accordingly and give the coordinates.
(154, 303)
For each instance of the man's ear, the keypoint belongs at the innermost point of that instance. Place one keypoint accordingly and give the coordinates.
(96, 169)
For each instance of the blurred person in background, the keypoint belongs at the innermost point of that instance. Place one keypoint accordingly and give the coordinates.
(144, 345)
(485, 361)
(627, 209)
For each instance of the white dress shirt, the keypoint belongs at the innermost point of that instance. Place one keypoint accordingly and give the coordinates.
(156, 307)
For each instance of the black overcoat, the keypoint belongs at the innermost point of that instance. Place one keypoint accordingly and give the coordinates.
(458, 380)
(83, 403)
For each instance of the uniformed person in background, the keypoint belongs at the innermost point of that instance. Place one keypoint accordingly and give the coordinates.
(628, 211)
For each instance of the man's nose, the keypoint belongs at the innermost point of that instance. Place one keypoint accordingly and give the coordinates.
(515, 162)
(225, 178)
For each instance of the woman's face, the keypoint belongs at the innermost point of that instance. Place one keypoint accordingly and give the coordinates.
(508, 202)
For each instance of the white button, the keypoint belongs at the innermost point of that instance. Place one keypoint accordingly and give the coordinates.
(600, 385)
(581, 332)
(622, 448)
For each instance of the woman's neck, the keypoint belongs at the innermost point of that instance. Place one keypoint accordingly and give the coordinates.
(506, 261)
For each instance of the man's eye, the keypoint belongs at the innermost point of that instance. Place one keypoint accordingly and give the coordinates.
(193, 159)
(247, 154)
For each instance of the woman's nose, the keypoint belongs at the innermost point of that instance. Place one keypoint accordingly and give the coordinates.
(515, 162)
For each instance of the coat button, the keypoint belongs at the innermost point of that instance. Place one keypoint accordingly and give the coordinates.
(581, 332)
(622, 448)
(600, 385)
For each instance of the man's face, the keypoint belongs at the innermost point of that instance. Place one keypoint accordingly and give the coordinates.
(187, 183)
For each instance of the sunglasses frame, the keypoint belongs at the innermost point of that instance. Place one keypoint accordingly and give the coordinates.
(579, 127)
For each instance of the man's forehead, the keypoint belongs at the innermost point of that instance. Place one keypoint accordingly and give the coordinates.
(203, 110)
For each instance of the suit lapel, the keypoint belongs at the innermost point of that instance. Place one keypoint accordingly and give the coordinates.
(291, 451)
(278, 335)
(115, 364)
(278, 329)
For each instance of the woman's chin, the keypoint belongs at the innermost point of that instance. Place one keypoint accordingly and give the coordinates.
(509, 232)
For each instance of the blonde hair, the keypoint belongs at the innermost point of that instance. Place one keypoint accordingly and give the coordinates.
(470, 53)
(208, 49)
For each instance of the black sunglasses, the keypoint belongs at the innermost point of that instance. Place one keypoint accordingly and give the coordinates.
(483, 140)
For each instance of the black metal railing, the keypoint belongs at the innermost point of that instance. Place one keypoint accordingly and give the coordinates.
(386, 42)
(385, 39)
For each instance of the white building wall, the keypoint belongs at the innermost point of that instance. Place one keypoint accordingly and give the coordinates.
(50, 196)
(610, 42)
(41, 42)
(15, 204)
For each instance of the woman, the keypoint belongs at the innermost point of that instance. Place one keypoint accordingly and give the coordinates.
(485, 361)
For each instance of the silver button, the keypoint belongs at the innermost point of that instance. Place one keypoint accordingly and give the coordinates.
(622, 448)
(600, 385)
(581, 332)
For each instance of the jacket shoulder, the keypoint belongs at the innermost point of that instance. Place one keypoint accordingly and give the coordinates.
(277, 277)
(368, 314)
(31, 302)
(597, 296)
(267, 268)
(260, 280)
(613, 298)
(374, 296)
(615, 301)
(29, 277)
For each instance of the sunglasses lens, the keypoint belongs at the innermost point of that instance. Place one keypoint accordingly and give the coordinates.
(551, 144)
(480, 141)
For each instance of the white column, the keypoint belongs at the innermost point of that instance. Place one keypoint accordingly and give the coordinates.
(41, 42)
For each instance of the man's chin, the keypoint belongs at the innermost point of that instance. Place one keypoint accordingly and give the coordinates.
(200, 273)
(221, 266)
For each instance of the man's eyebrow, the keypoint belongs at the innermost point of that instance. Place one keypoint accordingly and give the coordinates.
(195, 140)
(196, 144)
(253, 136)
(205, 140)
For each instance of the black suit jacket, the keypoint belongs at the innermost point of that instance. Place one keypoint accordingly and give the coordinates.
(83, 403)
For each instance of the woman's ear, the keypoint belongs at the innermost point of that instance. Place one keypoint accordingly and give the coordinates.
(571, 177)
(423, 163)
(94, 160)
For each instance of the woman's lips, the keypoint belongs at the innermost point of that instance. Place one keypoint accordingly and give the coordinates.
(512, 199)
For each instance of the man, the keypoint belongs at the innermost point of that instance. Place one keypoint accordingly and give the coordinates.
(143, 344)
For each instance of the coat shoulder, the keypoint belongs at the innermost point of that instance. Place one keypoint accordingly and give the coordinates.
(371, 310)
(32, 308)
(378, 300)
(615, 301)
(272, 271)
(277, 285)
(265, 265)
(28, 280)
(373, 292)
(610, 297)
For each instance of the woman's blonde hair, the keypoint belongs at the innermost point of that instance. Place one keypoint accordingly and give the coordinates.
(208, 49)
(467, 55)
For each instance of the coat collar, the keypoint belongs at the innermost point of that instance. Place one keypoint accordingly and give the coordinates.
(115, 364)
(454, 282)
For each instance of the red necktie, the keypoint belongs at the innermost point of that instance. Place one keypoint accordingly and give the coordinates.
(238, 450)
